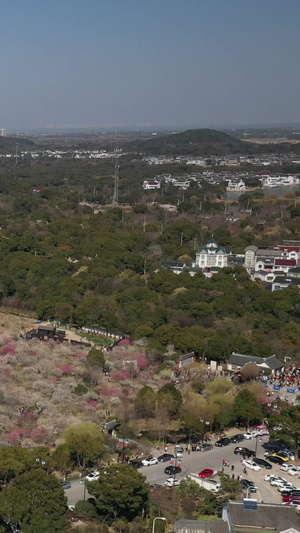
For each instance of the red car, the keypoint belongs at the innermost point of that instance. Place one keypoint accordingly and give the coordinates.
(207, 472)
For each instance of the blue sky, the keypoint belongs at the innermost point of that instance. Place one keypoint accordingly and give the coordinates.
(160, 63)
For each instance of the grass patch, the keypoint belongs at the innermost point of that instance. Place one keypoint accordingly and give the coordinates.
(96, 339)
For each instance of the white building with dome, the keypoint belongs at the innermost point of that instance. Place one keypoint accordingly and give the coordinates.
(211, 256)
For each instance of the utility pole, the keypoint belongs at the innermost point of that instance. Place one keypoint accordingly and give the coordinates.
(16, 156)
(181, 239)
(115, 201)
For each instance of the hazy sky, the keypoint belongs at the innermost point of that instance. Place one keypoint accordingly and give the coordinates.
(173, 63)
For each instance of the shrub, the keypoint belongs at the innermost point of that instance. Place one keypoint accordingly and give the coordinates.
(9, 349)
(67, 369)
(80, 389)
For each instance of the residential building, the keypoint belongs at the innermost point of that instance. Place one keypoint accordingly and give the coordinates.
(254, 517)
(238, 360)
(200, 526)
(211, 256)
(150, 185)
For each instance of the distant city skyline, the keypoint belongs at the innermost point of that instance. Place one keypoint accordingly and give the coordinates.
(132, 64)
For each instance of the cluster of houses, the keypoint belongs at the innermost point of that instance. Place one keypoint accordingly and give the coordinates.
(266, 180)
(234, 181)
(276, 266)
(264, 160)
(66, 154)
(181, 182)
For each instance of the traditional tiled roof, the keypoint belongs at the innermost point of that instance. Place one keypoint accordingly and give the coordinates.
(265, 517)
(238, 359)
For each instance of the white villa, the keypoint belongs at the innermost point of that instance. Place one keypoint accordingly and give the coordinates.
(211, 256)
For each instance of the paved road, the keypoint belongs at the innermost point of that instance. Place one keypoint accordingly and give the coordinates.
(196, 461)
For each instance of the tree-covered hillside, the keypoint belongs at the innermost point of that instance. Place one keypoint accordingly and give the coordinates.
(199, 141)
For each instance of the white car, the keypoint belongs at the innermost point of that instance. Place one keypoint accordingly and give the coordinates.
(295, 505)
(94, 476)
(269, 477)
(150, 461)
(286, 467)
(179, 451)
(278, 482)
(171, 482)
(250, 435)
(293, 471)
(286, 486)
(251, 465)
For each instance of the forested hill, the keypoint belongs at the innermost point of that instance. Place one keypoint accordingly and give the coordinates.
(200, 142)
(8, 144)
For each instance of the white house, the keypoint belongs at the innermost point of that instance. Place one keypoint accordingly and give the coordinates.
(150, 185)
(211, 256)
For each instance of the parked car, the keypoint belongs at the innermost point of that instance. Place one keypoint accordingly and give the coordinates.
(223, 442)
(165, 457)
(155, 486)
(66, 484)
(293, 471)
(251, 465)
(291, 493)
(240, 450)
(269, 477)
(150, 461)
(287, 497)
(284, 459)
(287, 485)
(250, 435)
(274, 459)
(263, 463)
(286, 453)
(247, 484)
(93, 476)
(239, 437)
(277, 482)
(171, 482)
(171, 470)
(285, 467)
(207, 472)
(136, 464)
(206, 447)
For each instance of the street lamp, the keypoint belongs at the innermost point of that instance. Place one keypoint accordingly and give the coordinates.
(204, 423)
(255, 451)
(157, 518)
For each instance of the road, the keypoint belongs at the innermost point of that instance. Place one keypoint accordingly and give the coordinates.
(196, 461)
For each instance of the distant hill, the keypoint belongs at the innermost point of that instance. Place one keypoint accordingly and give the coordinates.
(192, 142)
(8, 144)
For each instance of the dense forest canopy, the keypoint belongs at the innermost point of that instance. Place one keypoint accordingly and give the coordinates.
(63, 259)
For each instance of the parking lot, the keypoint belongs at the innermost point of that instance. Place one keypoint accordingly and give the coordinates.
(194, 462)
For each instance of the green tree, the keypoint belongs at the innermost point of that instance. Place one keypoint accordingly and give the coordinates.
(145, 402)
(229, 485)
(95, 358)
(286, 425)
(35, 502)
(121, 492)
(246, 408)
(170, 398)
(85, 443)
(61, 459)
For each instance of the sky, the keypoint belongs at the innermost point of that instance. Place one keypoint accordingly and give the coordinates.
(138, 64)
